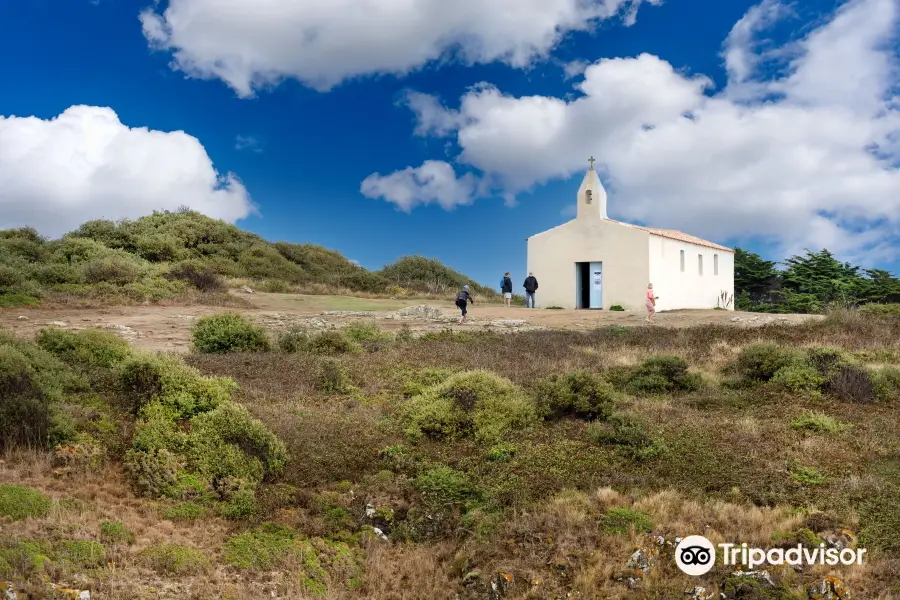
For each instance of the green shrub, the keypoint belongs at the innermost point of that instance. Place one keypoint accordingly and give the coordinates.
(807, 475)
(89, 347)
(798, 378)
(20, 502)
(24, 407)
(115, 532)
(196, 275)
(14, 300)
(886, 382)
(759, 363)
(293, 341)
(114, 269)
(331, 376)
(827, 361)
(629, 436)
(477, 403)
(80, 554)
(56, 273)
(617, 308)
(275, 286)
(501, 452)
(229, 332)
(663, 374)
(173, 559)
(404, 335)
(180, 389)
(579, 394)
(415, 382)
(880, 310)
(363, 332)
(817, 422)
(443, 487)
(184, 511)
(230, 442)
(266, 548)
(624, 520)
(332, 342)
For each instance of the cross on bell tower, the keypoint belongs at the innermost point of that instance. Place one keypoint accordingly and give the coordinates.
(591, 195)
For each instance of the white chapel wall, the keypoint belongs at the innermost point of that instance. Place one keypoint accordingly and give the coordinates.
(622, 250)
(689, 288)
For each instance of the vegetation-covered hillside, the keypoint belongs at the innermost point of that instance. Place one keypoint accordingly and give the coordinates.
(185, 255)
(350, 464)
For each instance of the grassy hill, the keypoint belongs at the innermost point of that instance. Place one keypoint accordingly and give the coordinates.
(186, 256)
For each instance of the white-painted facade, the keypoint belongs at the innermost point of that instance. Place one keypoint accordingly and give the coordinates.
(617, 260)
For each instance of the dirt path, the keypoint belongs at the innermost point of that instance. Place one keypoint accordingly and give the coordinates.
(168, 328)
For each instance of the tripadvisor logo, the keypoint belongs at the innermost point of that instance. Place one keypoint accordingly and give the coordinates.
(695, 555)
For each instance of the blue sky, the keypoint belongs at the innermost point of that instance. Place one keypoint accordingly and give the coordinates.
(747, 123)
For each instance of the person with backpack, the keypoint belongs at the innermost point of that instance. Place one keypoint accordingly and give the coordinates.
(462, 301)
(506, 289)
(531, 286)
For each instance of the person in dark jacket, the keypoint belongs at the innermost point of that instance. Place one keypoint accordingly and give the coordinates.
(462, 301)
(506, 288)
(531, 286)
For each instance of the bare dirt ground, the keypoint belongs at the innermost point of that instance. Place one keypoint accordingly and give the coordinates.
(168, 327)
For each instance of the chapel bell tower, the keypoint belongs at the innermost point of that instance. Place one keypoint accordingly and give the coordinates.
(591, 195)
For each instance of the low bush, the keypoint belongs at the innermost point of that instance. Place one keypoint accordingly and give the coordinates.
(266, 548)
(758, 363)
(173, 559)
(330, 343)
(617, 308)
(850, 382)
(181, 390)
(626, 521)
(798, 378)
(114, 269)
(477, 403)
(579, 394)
(663, 374)
(629, 436)
(363, 332)
(229, 332)
(197, 275)
(415, 382)
(115, 532)
(443, 488)
(818, 422)
(886, 382)
(24, 406)
(86, 348)
(880, 310)
(20, 502)
(80, 554)
(293, 341)
(331, 376)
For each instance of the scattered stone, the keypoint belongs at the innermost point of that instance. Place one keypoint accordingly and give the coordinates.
(830, 588)
(22, 318)
(839, 540)
(246, 289)
(760, 576)
(424, 311)
(58, 323)
(9, 592)
(380, 534)
(735, 319)
(370, 511)
(698, 593)
(508, 323)
(69, 593)
(349, 313)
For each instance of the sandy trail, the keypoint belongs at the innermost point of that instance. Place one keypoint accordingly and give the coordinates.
(168, 327)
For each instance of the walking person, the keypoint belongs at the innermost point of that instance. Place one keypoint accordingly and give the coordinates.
(531, 286)
(506, 288)
(462, 301)
(651, 303)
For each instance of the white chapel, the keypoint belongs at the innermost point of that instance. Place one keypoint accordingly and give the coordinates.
(595, 262)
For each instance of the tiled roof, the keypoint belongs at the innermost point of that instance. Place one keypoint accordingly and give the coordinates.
(674, 234)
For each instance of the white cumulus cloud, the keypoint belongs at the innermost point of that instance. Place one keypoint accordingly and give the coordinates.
(434, 182)
(801, 148)
(250, 44)
(85, 164)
